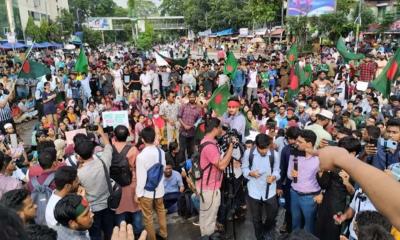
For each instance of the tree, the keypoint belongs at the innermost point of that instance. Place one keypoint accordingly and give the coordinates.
(66, 21)
(92, 37)
(146, 39)
(143, 8)
(32, 30)
(170, 7)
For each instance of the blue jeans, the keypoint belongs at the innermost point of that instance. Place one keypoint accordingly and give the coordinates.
(196, 201)
(238, 91)
(135, 218)
(303, 206)
(102, 222)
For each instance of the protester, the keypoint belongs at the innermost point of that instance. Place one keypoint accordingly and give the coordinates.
(20, 201)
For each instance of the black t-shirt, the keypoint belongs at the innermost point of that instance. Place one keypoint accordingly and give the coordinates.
(135, 85)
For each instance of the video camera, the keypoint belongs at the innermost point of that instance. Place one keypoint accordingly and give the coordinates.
(388, 144)
(231, 135)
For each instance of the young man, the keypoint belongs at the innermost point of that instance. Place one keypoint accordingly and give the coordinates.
(148, 200)
(234, 118)
(187, 116)
(323, 119)
(173, 186)
(74, 216)
(93, 179)
(209, 186)
(262, 171)
(66, 181)
(7, 182)
(305, 190)
(20, 201)
(169, 112)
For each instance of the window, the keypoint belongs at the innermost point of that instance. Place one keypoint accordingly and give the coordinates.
(381, 11)
(34, 15)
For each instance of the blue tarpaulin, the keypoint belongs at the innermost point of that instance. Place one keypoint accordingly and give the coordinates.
(225, 32)
(12, 46)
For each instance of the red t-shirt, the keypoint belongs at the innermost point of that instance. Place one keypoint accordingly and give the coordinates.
(210, 154)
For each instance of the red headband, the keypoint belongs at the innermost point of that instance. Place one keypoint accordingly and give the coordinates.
(233, 104)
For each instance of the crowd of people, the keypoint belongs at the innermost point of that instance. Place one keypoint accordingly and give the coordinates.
(270, 152)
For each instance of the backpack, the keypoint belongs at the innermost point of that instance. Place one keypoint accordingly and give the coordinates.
(271, 158)
(197, 171)
(40, 196)
(120, 171)
(186, 207)
(154, 175)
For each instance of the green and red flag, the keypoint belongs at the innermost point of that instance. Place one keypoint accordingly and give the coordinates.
(32, 69)
(296, 78)
(345, 53)
(219, 100)
(388, 75)
(292, 55)
(82, 64)
(231, 65)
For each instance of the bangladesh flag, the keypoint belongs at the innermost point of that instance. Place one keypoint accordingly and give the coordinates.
(296, 78)
(173, 62)
(345, 53)
(231, 65)
(82, 64)
(32, 69)
(389, 74)
(219, 100)
(292, 55)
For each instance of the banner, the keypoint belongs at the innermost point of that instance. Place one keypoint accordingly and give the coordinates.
(159, 60)
(100, 23)
(243, 32)
(310, 7)
(115, 118)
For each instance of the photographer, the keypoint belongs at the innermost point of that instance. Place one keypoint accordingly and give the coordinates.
(261, 168)
(386, 151)
(212, 167)
(234, 118)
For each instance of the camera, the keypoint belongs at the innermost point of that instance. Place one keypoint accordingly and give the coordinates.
(373, 141)
(295, 151)
(388, 144)
(92, 127)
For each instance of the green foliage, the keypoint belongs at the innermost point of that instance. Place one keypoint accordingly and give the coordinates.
(66, 21)
(146, 39)
(32, 30)
(91, 37)
(93, 8)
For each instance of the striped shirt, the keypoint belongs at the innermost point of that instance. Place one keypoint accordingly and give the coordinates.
(5, 112)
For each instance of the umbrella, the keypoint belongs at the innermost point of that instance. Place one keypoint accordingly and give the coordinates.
(257, 40)
(70, 47)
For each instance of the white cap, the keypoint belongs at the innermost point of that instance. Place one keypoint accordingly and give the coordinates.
(327, 114)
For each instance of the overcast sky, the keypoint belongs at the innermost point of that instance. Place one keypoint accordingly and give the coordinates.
(123, 3)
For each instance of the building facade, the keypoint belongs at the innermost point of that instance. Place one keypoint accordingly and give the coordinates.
(23, 9)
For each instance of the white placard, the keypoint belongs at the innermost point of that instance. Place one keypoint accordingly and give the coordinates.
(115, 118)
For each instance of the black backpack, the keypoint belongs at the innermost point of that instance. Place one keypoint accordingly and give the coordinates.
(271, 158)
(120, 171)
(197, 171)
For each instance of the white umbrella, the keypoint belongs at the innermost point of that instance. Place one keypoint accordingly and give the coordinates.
(70, 47)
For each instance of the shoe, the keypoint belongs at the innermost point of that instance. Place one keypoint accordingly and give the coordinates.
(196, 223)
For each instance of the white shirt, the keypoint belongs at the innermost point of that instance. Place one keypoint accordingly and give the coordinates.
(253, 79)
(144, 161)
(86, 86)
(51, 205)
(146, 79)
(117, 77)
(365, 205)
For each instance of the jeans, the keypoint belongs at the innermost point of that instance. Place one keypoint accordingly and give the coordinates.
(196, 201)
(164, 90)
(102, 221)
(186, 145)
(171, 201)
(238, 91)
(263, 224)
(303, 205)
(135, 218)
(22, 91)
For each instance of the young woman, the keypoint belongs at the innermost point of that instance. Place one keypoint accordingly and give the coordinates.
(49, 104)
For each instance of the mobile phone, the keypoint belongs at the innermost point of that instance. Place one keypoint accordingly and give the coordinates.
(388, 144)
(332, 143)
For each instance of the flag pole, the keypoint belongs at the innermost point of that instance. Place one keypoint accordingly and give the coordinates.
(26, 58)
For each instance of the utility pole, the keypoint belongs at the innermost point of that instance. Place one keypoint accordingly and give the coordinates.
(358, 20)
(10, 16)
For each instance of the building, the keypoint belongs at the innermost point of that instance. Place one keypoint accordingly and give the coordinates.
(23, 9)
(382, 7)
